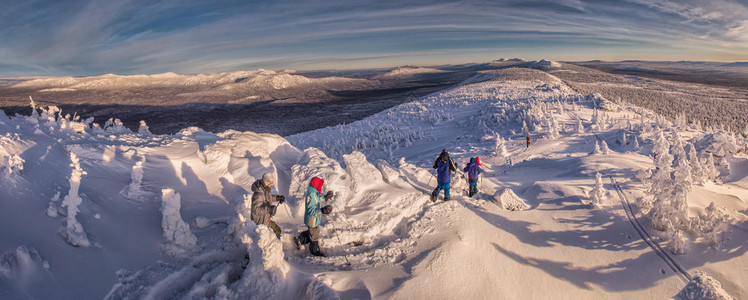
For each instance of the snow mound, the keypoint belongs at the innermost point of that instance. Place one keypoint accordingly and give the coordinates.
(703, 286)
(362, 172)
(21, 268)
(314, 163)
(508, 200)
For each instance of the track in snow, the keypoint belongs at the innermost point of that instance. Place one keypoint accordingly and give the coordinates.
(682, 273)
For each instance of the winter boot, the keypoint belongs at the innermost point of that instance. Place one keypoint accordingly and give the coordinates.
(434, 194)
(446, 198)
(315, 250)
(297, 242)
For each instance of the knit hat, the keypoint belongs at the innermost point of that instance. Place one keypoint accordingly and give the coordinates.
(268, 179)
(477, 161)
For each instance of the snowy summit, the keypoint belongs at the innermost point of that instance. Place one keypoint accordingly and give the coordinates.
(574, 199)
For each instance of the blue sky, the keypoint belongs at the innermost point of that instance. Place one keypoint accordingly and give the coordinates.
(50, 37)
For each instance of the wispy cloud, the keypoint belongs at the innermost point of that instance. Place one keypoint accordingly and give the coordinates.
(45, 37)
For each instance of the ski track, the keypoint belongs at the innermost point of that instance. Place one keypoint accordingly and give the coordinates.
(644, 235)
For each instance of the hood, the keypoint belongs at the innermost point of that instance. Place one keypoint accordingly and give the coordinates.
(317, 183)
(258, 186)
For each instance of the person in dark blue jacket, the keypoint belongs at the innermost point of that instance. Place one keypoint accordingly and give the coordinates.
(473, 170)
(444, 167)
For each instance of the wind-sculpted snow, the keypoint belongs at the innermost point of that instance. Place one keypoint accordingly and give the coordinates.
(168, 216)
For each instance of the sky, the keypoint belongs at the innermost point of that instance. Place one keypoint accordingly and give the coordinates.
(85, 38)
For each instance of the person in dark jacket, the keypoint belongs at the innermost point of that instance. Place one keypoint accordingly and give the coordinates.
(313, 211)
(444, 167)
(473, 170)
(264, 205)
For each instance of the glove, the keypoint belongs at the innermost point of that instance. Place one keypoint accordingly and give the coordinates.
(327, 209)
(273, 210)
(329, 195)
(280, 199)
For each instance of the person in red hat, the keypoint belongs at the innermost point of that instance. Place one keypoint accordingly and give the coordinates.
(313, 211)
(473, 170)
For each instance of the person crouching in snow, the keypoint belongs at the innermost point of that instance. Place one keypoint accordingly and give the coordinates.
(473, 170)
(313, 216)
(264, 205)
(444, 167)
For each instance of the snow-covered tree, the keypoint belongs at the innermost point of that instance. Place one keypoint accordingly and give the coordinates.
(144, 129)
(622, 139)
(662, 190)
(636, 143)
(710, 171)
(73, 232)
(598, 192)
(698, 173)
(580, 126)
(597, 148)
(682, 184)
(661, 145)
(711, 225)
(678, 242)
(553, 128)
(604, 147)
(500, 147)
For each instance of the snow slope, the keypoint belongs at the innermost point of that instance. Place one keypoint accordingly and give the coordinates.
(166, 216)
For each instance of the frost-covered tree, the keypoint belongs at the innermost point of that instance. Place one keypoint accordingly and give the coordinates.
(580, 126)
(661, 145)
(597, 148)
(710, 171)
(500, 148)
(698, 173)
(144, 129)
(604, 147)
(636, 143)
(711, 225)
(598, 192)
(525, 130)
(682, 184)
(678, 242)
(662, 190)
(73, 232)
(622, 139)
(553, 128)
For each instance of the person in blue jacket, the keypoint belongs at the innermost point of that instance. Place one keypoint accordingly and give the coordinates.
(313, 211)
(473, 170)
(444, 167)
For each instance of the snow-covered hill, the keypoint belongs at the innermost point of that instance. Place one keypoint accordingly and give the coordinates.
(91, 212)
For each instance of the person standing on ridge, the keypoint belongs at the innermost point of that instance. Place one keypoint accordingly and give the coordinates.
(313, 216)
(473, 170)
(528, 141)
(264, 205)
(444, 167)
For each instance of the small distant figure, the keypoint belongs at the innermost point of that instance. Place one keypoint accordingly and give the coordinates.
(264, 205)
(313, 211)
(528, 141)
(444, 167)
(473, 170)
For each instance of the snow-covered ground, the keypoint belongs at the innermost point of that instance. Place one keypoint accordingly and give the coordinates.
(91, 212)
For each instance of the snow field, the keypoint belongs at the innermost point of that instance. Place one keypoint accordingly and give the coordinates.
(532, 221)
